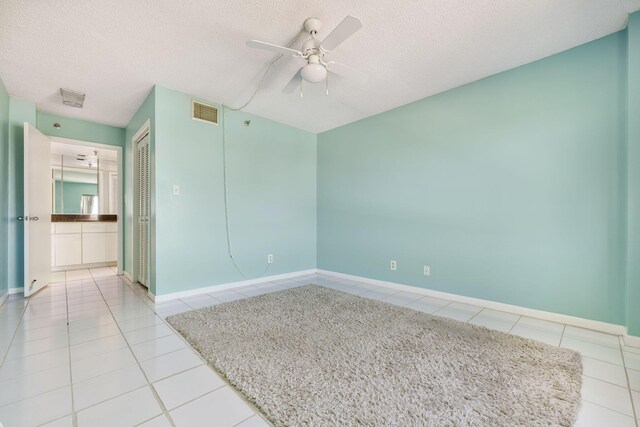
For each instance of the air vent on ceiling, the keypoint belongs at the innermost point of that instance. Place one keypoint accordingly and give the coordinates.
(72, 98)
(204, 112)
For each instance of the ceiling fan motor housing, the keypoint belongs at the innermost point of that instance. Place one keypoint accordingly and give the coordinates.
(311, 47)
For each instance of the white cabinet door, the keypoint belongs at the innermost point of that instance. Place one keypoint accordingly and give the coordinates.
(68, 249)
(93, 247)
(53, 251)
(111, 247)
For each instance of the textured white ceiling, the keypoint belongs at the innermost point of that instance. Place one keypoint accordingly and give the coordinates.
(116, 50)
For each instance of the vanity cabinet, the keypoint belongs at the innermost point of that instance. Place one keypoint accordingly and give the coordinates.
(75, 244)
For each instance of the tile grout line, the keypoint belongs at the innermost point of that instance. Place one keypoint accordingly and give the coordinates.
(476, 315)
(149, 384)
(70, 385)
(205, 363)
(605, 381)
(627, 388)
(609, 409)
(38, 372)
(74, 420)
(635, 412)
(514, 325)
(15, 331)
(564, 328)
(16, 378)
(442, 308)
(254, 415)
(224, 384)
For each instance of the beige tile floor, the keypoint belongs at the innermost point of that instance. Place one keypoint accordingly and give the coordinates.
(93, 350)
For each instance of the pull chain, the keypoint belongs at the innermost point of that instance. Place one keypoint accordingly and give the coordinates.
(326, 81)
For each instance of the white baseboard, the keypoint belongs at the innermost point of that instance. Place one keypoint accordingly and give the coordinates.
(83, 266)
(232, 285)
(632, 341)
(595, 325)
(13, 291)
(3, 298)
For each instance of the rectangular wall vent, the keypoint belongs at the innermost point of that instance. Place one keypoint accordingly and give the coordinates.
(204, 112)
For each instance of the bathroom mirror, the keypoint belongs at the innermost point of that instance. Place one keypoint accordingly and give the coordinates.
(75, 186)
(84, 180)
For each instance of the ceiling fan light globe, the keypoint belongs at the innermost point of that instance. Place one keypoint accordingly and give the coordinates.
(314, 73)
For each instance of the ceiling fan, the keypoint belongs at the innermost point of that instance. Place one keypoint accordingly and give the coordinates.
(314, 50)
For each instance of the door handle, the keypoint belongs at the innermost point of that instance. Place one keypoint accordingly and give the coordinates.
(20, 218)
(28, 218)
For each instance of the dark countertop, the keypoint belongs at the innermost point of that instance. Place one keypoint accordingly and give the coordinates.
(83, 218)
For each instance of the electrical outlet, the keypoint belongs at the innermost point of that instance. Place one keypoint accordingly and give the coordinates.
(270, 258)
(394, 265)
(427, 270)
(176, 189)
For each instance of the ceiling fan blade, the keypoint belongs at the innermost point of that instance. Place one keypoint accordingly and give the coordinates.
(343, 31)
(293, 83)
(347, 72)
(257, 44)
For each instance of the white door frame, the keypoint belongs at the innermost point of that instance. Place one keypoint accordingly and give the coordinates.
(120, 198)
(135, 273)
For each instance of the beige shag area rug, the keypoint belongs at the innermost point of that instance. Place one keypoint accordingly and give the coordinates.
(313, 356)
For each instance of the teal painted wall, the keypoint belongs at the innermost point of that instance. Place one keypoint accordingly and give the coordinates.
(20, 111)
(511, 188)
(80, 129)
(147, 111)
(72, 193)
(4, 189)
(271, 191)
(633, 178)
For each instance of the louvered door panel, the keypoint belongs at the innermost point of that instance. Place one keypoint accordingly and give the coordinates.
(143, 210)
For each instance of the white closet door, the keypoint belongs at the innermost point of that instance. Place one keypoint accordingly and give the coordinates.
(143, 210)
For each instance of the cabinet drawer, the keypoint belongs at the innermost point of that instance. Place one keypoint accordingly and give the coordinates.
(111, 227)
(93, 227)
(67, 227)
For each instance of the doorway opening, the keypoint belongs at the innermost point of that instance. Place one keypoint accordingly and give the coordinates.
(86, 206)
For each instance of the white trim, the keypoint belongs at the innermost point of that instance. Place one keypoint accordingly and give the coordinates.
(140, 133)
(120, 194)
(632, 341)
(83, 266)
(4, 297)
(231, 285)
(128, 276)
(13, 291)
(595, 325)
